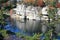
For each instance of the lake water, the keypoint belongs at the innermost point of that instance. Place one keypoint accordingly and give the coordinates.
(30, 26)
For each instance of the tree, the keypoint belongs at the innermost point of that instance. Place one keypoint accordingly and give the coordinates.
(52, 14)
(2, 22)
(4, 5)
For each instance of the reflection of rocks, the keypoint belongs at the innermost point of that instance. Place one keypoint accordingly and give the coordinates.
(29, 26)
(44, 28)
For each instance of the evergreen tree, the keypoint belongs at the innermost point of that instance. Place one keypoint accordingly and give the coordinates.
(5, 5)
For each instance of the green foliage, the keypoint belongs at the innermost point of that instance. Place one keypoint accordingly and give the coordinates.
(4, 8)
(18, 34)
(51, 15)
(2, 22)
(7, 7)
(3, 32)
(28, 37)
(34, 37)
(47, 35)
(4, 16)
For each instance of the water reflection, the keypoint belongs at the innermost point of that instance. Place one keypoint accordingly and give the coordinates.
(32, 26)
